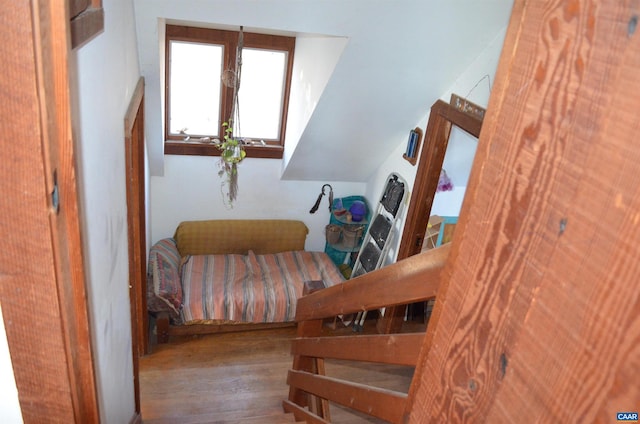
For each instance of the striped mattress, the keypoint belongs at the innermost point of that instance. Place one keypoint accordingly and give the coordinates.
(250, 288)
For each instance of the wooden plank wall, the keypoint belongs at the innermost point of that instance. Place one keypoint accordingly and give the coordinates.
(541, 317)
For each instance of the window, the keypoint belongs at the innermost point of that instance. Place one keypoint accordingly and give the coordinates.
(197, 102)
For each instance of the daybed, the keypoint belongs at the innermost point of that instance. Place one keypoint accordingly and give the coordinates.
(226, 275)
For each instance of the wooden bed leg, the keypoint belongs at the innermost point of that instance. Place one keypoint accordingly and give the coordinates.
(162, 327)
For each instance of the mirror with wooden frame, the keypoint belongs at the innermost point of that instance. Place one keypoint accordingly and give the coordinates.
(442, 118)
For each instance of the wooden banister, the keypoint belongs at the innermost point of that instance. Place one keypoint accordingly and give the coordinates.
(415, 279)
(381, 403)
(396, 349)
(302, 414)
(410, 280)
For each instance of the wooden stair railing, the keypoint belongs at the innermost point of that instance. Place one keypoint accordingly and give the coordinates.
(414, 279)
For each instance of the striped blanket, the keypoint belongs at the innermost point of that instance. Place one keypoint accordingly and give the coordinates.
(251, 288)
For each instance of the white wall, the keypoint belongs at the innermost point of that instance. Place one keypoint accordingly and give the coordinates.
(370, 94)
(398, 165)
(459, 156)
(190, 190)
(188, 187)
(475, 85)
(315, 60)
(283, 18)
(107, 72)
(10, 412)
(338, 37)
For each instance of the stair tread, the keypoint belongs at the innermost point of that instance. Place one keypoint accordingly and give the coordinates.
(270, 419)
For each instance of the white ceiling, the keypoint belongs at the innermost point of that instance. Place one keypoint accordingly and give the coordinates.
(399, 58)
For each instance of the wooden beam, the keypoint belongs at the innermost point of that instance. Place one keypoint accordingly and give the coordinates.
(42, 288)
(540, 320)
(302, 414)
(136, 232)
(86, 25)
(381, 403)
(310, 328)
(399, 349)
(413, 279)
(187, 330)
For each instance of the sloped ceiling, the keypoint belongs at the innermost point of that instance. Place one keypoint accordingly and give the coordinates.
(399, 57)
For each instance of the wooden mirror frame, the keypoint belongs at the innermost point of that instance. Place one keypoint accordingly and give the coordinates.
(441, 119)
(443, 116)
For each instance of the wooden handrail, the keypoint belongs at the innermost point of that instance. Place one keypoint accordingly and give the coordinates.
(396, 349)
(413, 279)
(410, 280)
(381, 403)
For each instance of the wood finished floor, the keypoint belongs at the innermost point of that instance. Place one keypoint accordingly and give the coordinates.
(239, 378)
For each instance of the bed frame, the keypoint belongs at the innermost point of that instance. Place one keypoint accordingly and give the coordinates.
(165, 329)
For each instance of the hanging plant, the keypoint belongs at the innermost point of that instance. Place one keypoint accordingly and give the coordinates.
(231, 147)
(232, 151)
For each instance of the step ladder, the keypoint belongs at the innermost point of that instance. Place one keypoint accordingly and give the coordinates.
(381, 234)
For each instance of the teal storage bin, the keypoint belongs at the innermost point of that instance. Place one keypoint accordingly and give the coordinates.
(346, 249)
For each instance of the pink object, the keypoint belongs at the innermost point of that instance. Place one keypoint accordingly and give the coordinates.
(444, 183)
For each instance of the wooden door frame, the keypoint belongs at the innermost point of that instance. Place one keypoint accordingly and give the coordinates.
(43, 293)
(136, 230)
(436, 139)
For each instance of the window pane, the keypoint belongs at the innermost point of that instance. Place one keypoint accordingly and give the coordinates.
(194, 103)
(260, 96)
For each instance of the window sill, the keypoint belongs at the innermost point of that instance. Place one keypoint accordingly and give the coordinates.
(201, 149)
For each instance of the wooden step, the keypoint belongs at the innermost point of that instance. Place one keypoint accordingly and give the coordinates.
(269, 419)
